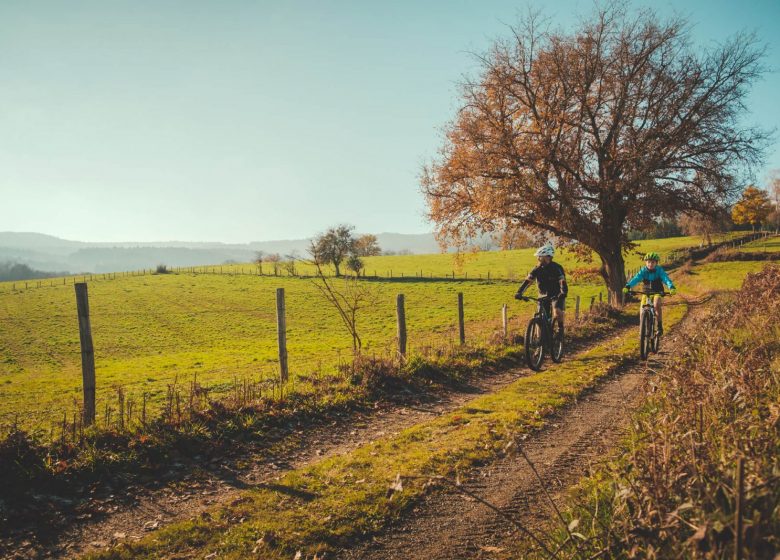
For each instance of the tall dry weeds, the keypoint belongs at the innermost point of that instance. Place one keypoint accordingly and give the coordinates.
(674, 493)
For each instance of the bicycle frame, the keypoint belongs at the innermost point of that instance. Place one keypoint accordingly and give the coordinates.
(649, 340)
(541, 313)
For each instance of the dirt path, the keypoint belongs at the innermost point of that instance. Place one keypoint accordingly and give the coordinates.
(449, 525)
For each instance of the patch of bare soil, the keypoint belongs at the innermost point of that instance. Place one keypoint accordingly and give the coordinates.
(450, 524)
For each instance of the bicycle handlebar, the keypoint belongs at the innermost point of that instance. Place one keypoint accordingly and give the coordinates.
(633, 293)
(542, 298)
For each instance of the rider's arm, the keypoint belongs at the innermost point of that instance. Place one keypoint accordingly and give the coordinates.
(562, 280)
(527, 282)
(523, 287)
(638, 277)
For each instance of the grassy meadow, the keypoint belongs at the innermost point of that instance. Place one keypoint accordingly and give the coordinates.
(155, 330)
(506, 265)
(769, 244)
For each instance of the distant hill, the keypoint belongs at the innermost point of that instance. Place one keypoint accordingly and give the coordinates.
(49, 253)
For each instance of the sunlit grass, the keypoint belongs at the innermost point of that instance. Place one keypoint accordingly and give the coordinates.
(474, 265)
(151, 331)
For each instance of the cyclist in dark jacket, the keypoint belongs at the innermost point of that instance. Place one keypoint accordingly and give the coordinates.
(550, 281)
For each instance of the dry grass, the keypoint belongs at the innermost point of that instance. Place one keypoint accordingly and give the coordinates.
(673, 493)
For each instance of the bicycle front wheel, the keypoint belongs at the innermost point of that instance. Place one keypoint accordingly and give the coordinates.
(534, 344)
(656, 339)
(645, 335)
(556, 352)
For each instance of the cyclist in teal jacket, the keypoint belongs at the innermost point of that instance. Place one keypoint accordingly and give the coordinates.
(653, 277)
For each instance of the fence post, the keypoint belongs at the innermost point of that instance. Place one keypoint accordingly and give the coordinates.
(505, 321)
(600, 297)
(400, 313)
(592, 301)
(87, 353)
(740, 488)
(461, 326)
(281, 330)
(577, 308)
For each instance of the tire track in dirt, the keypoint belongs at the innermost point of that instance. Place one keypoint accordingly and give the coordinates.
(450, 525)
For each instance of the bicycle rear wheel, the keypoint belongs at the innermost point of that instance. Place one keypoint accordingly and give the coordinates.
(645, 335)
(534, 344)
(556, 352)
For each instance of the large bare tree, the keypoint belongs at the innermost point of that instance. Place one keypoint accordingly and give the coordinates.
(588, 134)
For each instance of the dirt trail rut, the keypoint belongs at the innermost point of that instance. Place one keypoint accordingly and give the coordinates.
(449, 525)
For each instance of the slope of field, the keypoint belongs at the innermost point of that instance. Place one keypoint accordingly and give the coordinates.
(769, 244)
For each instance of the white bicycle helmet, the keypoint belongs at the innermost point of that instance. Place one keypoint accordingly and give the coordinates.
(546, 250)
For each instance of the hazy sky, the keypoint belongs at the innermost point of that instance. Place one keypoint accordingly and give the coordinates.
(238, 121)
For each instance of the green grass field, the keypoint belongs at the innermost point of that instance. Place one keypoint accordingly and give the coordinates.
(771, 244)
(151, 331)
(720, 275)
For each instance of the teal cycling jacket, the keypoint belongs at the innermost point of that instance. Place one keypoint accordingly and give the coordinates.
(654, 278)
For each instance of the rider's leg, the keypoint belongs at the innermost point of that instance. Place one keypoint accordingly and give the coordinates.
(658, 305)
(559, 315)
(558, 312)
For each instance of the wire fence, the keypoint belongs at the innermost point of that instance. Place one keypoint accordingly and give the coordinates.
(279, 270)
(219, 361)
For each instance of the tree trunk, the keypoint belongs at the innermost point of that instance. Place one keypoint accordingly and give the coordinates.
(613, 272)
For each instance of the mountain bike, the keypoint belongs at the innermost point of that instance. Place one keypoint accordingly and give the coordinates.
(649, 339)
(543, 334)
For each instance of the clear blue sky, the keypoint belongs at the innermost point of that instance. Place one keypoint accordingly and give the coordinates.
(237, 121)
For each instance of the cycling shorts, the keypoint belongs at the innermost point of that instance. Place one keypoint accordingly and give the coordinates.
(560, 304)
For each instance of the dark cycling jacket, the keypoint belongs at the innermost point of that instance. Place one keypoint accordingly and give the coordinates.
(654, 279)
(548, 280)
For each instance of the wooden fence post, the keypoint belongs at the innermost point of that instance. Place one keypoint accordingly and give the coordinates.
(505, 321)
(592, 301)
(740, 488)
(600, 297)
(461, 326)
(400, 313)
(87, 353)
(281, 330)
(577, 308)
